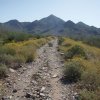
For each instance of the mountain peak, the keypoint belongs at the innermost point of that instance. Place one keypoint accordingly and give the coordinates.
(69, 23)
(51, 15)
(82, 24)
(14, 20)
(51, 19)
(13, 24)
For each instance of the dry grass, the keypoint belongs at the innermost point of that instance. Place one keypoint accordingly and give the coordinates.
(15, 53)
(90, 79)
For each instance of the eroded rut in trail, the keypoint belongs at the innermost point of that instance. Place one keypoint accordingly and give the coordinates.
(39, 80)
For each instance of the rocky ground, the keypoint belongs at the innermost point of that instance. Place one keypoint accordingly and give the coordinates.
(39, 80)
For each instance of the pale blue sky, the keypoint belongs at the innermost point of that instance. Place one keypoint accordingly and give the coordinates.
(87, 11)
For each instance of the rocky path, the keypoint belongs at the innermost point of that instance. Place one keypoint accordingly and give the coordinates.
(39, 80)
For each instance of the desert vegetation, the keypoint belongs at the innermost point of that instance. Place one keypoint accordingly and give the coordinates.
(82, 67)
(93, 40)
(17, 49)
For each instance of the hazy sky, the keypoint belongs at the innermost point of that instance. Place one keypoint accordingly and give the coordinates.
(87, 11)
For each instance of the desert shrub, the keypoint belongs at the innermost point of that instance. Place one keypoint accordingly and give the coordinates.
(50, 44)
(73, 71)
(60, 40)
(74, 51)
(12, 61)
(41, 42)
(88, 95)
(15, 36)
(67, 44)
(28, 52)
(7, 50)
(93, 40)
(19, 59)
(30, 57)
(6, 59)
(3, 70)
(91, 80)
(38, 36)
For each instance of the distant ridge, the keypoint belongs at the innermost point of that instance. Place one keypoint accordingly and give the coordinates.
(51, 25)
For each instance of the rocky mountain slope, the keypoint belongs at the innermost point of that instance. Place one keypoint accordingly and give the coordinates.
(51, 25)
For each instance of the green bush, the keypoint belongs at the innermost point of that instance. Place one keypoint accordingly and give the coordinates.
(30, 57)
(3, 70)
(73, 72)
(6, 59)
(16, 36)
(67, 44)
(93, 41)
(7, 50)
(60, 40)
(88, 95)
(50, 44)
(12, 61)
(74, 51)
(19, 59)
(91, 80)
(28, 53)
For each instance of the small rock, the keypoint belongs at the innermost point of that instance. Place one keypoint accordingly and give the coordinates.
(48, 98)
(29, 95)
(14, 90)
(62, 53)
(18, 74)
(29, 67)
(42, 89)
(21, 66)
(6, 97)
(10, 97)
(43, 68)
(42, 94)
(24, 68)
(54, 76)
(76, 95)
(18, 79)
(34, 82)
(11, 70)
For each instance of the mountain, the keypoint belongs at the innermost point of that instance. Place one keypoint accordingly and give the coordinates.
(51, 21)
(13, 25)
(69, 24)
(51, 25)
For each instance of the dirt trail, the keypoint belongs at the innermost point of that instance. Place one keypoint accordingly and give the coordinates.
(41, 79)
(54, 63)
